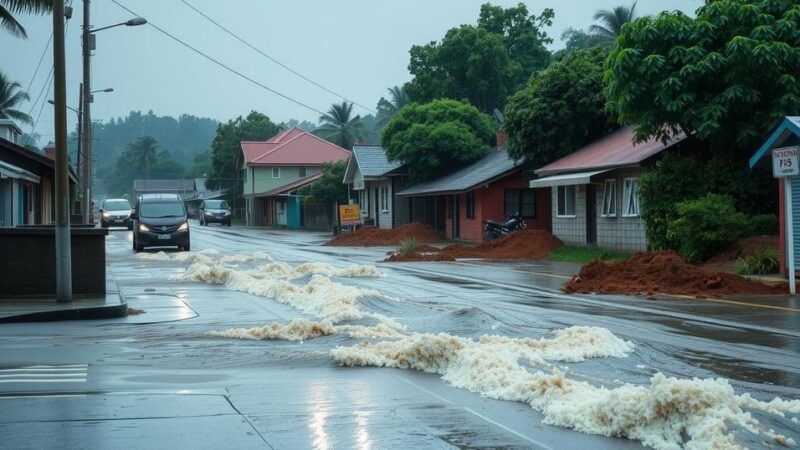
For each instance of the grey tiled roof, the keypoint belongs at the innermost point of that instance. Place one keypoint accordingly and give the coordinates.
(372, 160)
(172, 186)
(485, 169)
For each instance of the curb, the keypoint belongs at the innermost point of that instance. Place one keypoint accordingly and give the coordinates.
(92, 313)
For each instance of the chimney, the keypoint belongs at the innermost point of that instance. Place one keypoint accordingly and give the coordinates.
(50, 152)
(501, 138)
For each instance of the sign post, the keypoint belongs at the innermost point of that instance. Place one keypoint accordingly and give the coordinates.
(349, 214)
(786, 165)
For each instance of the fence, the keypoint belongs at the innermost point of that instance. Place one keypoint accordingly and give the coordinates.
(318, 216)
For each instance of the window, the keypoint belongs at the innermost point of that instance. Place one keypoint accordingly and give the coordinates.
(385, 198)
(280, 207)
(244, 175)
(471, 205)
(522, 201)
(302, 172)
(565, 201)
(276, 172)
(362, 202)
(630, 199)
(609, 199)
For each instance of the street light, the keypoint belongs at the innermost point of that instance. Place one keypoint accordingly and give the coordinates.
(68, 107)
(87, 39)
(103, 90)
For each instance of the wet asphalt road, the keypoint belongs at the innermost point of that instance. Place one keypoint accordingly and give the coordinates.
(155, 380)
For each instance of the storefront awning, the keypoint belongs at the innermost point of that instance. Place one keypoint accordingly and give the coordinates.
(567, 179)
(11, 171)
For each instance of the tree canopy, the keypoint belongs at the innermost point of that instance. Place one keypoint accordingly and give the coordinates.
(728, 76)
(482, 63)
(8, 8)
(141, 160)
(329, 188)
(438, 137)
(561, 109)
(11, 96)
(226, 149)
(340, 127)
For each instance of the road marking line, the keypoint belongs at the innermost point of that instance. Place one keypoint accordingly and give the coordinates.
(732, 302)
(43, 375)
(65, 380)
(69, 369)
(411, 383)
(516, 433)
(52, 366)
(551, 275)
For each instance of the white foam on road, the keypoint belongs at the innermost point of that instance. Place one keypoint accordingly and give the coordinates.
(207, 256)
(660, 415)
(296, 330)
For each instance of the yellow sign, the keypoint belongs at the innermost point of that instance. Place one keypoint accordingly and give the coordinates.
(349, 214)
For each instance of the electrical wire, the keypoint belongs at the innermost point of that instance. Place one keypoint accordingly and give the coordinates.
(224, 66)
(264, 54)
(41, 58)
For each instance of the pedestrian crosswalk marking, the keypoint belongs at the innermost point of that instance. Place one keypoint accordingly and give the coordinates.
(68, 373)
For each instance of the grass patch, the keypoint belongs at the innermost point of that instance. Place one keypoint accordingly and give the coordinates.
(759, 263)
(583, 255)
(408, 245)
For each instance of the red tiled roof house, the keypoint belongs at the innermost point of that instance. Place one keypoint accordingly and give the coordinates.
(274, 170)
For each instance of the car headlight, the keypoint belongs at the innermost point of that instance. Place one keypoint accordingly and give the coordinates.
(227, 213)
(209, 213)
(184, 226)
(106, 215)
(143, 227)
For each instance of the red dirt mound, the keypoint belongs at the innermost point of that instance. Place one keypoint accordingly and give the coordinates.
(528, 244)
(661, 272)
(373, 236)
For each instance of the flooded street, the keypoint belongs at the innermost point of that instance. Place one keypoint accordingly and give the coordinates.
(272, 340)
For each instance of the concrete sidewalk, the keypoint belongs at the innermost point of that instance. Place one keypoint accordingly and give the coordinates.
(40, 309)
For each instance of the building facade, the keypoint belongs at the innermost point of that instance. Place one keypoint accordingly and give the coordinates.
(373, 183)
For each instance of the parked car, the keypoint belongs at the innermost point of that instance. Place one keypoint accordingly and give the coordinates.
(212, 211)
(116, 212)
(159, 220)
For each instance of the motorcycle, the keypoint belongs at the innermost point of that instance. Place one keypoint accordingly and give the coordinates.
(493, 230)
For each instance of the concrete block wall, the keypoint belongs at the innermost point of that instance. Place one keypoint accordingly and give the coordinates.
(571, 230)
(618, 232)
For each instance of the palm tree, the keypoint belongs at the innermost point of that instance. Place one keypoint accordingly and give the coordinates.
(11, 95)
(143, 154)
(339, 127)
(388, 108)
(10, 7)
(612, 22)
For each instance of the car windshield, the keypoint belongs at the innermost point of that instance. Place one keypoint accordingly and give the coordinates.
(216, 204)
(116, 205)
(155, 210)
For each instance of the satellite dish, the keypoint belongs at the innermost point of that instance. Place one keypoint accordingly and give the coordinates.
(498, 116)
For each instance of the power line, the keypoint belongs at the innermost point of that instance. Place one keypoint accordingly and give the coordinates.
(224, 66)
(235, 36)
(49, 85)
(41, 58)
(41, 91)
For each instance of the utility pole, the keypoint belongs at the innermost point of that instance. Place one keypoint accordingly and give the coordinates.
(62, 235)
(78, 167)
(86, 119)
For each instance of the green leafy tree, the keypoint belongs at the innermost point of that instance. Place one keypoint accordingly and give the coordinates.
(482, 63)
(8, 8)
(575, 39)
(398, 97)
(143, 155)
(329, 188)
(561, 109)
(226, 149)
(611, 23)
(201, 166)
(340, 126)
(11, 95)
(727, 76)
(437, 137)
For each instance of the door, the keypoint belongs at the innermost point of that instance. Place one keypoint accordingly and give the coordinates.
(591, 215)
(456, 215)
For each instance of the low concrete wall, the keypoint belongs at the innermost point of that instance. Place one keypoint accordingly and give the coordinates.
(28, 267)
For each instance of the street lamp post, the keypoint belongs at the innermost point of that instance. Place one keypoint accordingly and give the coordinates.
(87, 38)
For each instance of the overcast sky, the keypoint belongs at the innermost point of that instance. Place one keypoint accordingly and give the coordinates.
(356, 48)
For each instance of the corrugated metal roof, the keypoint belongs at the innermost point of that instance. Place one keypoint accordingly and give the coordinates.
(616, 149)
(372, 160)
(788, 128)
(292, 147)
(486, 169)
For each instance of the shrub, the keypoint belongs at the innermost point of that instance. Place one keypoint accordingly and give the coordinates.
(408, 245)
(759, 263)
(762, 224)
(705, 226)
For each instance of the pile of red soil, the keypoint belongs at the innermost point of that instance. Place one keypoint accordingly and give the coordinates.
(374, 236)
(661, 272)
(524, 244)
(725, 261)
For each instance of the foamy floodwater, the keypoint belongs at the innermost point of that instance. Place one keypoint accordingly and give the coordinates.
(207, 256)
(296, 330)
(661, 415)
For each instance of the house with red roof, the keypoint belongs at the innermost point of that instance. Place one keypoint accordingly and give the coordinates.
(274, 170)
(595, 199)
